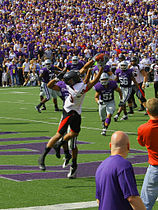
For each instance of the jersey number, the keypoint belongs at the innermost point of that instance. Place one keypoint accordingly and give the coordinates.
(107, 96)
(123, 80)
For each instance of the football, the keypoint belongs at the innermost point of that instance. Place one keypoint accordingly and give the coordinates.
(100, 57)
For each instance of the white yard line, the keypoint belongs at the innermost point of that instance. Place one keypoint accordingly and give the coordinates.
(57, 123)
(17, 88)
(63, 206)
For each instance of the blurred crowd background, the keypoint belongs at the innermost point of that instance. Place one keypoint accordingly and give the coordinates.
(32, 31)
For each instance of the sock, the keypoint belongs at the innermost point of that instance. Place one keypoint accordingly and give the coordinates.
(107, 122)
(131, 109)
(118, 113)
(103, 124)
(134, 103)
(46, 151)
(67, 153)
(56, 106)
(60, 143)
(125, 112)
(39, 105)
(74, 162)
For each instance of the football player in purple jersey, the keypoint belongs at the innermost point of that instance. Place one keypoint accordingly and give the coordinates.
(125, 77)
(47, 73)
(104, 97)
(76, 64)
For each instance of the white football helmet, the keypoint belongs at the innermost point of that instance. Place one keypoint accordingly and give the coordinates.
(75, 60)
(104, 78)
(123, 65)
(47, 63)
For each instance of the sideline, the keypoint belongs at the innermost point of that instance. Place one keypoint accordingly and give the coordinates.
(63, 206)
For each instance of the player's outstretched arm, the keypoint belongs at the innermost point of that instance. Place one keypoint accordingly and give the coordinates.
(58, 68)
(96, 79)
(87, 77)
(97, 97)
(86, 67)
(51, 84)
(99, 57)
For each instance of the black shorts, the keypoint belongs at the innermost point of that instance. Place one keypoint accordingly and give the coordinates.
(72, 119)
(26, 75)
(135, 90)
(142, 98)
(156, 86)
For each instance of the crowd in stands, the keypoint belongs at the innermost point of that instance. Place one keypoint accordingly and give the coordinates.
(31, 31)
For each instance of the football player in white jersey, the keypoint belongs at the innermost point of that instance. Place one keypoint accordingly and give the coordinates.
(72, 110)
(154, 69)
(121, 57)
(140, 76)
(146, 63)
(59, 85)
(113, 62)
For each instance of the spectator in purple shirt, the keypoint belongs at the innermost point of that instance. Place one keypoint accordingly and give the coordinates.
(115, 181)
(13, 73)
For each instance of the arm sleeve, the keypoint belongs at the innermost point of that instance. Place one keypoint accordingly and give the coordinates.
(140, 137)
(128, 183)
(97, 195)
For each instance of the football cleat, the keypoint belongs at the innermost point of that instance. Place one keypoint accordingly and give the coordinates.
(44, 108)
(72, 172)
(103, 132)
(116, 118)
(146, 113)
(41, 164)
(66, 160)
(38, 109)
(141, 109)
(134, 106)
(125, 117)
(131, 112)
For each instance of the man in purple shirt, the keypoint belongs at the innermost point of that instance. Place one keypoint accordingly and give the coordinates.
(115, 181)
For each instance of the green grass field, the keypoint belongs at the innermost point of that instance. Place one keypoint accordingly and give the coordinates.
(22, 130)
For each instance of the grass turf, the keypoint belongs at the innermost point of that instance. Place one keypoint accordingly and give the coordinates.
(18, 115)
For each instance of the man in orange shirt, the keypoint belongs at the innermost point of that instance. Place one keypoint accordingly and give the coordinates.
(148, 137)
